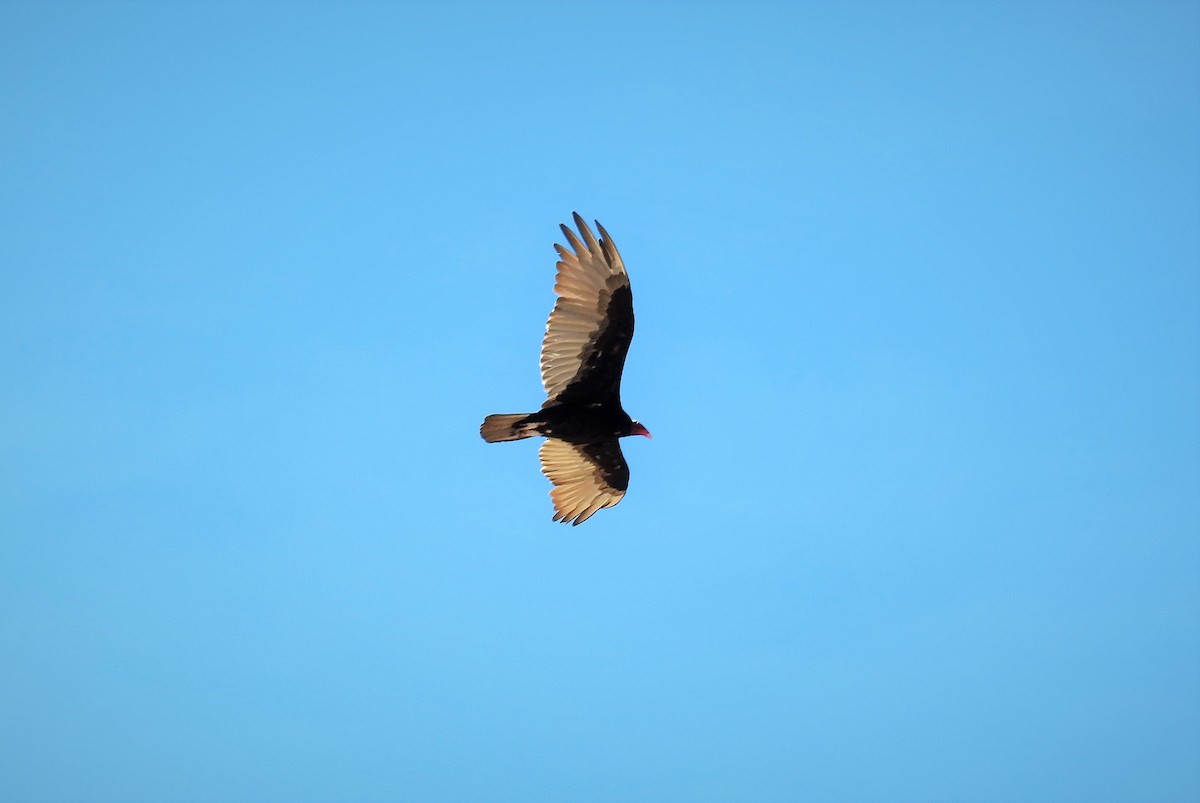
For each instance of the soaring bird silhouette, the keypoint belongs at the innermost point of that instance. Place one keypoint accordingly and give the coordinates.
(583, 354)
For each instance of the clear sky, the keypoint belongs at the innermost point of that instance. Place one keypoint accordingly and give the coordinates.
(918, 299)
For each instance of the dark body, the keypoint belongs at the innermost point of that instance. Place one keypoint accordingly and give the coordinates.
(581, 423)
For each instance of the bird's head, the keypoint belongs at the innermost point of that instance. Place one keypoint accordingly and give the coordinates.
(636, 428)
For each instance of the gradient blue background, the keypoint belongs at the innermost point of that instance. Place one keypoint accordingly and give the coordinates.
(918, 293)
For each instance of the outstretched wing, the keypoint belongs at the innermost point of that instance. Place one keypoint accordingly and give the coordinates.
(588, 334)
(586, 476)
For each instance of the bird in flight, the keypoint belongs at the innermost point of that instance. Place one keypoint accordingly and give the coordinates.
(583, 354)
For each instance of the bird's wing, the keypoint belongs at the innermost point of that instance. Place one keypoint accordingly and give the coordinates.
(588, 334)
(586, 476)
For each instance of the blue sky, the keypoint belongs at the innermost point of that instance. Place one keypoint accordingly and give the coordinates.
(918, 296)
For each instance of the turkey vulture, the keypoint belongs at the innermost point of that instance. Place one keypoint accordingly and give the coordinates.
(583, 354)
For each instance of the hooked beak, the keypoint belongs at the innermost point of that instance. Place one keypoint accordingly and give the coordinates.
(638, 429)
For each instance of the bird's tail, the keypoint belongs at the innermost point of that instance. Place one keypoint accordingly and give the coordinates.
(504, 427)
